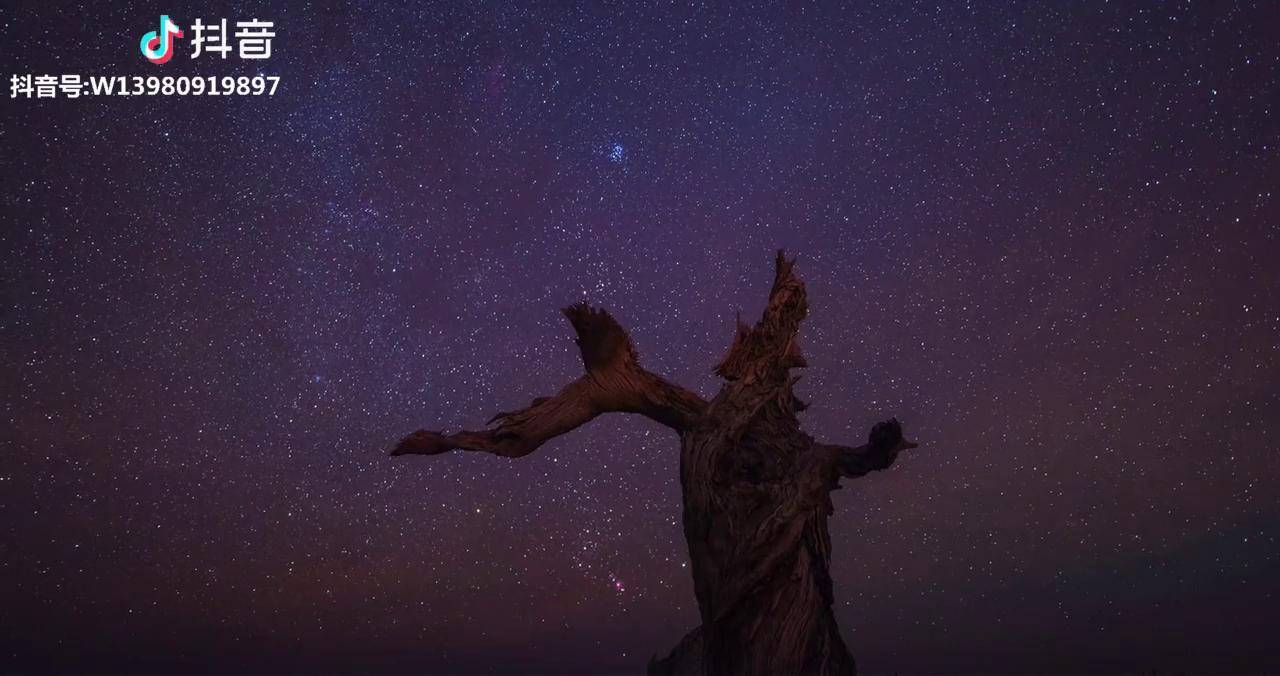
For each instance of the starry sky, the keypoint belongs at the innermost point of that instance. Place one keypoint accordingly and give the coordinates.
(1043, 235)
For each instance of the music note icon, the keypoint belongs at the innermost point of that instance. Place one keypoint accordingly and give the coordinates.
(157, 46)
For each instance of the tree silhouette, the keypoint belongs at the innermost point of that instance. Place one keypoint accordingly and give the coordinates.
(756, 488)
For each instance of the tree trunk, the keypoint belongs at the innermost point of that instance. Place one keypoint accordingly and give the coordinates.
(756, 488)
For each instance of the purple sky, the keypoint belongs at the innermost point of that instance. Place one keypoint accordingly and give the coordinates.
(1045, 236)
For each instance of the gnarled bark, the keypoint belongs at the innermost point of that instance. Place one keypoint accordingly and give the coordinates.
(756, 488)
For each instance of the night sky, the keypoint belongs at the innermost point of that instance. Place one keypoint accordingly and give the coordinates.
(1044, 236)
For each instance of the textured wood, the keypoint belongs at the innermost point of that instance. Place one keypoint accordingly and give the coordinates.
(614, 382)
(756, 488)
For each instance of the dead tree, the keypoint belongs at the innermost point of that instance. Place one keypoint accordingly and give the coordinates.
(756, 488)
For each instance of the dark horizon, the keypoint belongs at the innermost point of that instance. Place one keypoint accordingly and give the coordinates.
(1044, 237)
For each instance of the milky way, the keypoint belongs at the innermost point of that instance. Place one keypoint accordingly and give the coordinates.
(1044, 236)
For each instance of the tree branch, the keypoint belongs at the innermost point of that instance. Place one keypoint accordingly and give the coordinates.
(884, 443)
(758, 361)
(771, 346)
(614, 382)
